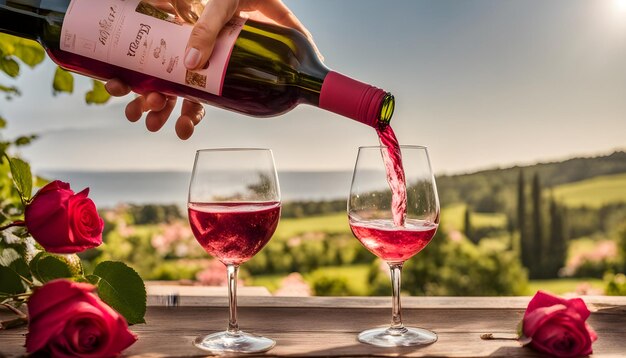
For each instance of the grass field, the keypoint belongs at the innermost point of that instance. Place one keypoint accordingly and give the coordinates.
(331, 223)
(452, 218)
(356, 275)
(357, 281)
(594, 192)
(563, 285)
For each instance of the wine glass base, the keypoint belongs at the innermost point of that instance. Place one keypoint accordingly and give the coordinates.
(227, 342)
(404, 337)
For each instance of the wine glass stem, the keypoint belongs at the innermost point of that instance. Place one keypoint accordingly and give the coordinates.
(233, 326)
(396, 309)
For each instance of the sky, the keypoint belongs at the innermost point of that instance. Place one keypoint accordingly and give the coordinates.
(482, 83)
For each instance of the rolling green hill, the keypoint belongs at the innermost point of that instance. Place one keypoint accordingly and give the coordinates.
(495, 190)
(594, 192)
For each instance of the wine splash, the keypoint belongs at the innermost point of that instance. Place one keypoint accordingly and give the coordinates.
(392, 157)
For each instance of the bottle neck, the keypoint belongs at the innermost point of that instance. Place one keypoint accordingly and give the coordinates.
(357, 100)
(19, 18)
(27, 18)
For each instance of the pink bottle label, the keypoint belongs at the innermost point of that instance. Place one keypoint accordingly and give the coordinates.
(138, 36)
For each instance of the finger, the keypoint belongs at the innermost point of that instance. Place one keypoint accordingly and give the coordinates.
(155, 101)
(193, 110)
(202, 39)
(191, 114)
(117, 88)
(134, 109)
(156, 119)
(184, 127)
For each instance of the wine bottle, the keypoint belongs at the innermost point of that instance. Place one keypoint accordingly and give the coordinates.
(258, 69)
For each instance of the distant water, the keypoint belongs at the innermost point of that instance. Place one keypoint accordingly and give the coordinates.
(108, 189)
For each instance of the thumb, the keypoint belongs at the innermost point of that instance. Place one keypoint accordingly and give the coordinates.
(202, 39)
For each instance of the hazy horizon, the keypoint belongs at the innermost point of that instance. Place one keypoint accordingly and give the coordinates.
(482, 84)
(503, 166)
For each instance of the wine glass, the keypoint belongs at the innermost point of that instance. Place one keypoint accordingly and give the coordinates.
(394, 224)
(234, 208)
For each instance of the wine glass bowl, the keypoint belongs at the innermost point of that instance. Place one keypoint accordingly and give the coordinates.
(394, 216)
(233, 208)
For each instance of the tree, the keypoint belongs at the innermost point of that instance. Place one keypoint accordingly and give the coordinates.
(537, 253)
(556, 248)
(467, 224)
(526, 247)
(622, 247)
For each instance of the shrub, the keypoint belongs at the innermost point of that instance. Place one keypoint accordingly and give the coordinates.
(458, 268)
(323, 285)
(615, 285)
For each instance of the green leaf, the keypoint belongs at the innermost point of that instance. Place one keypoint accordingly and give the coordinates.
(9, 66)
(40, 181)
(25, 140)
(122, 288)
(8, 255)
(10, 282)
(92, 279)
(10, 91)
(3, 122)
(63, 81)
(21, 268)
(6, 44)
(3, 150)
(29, 51)
(47, 267)
(98, 95)
(23, 178)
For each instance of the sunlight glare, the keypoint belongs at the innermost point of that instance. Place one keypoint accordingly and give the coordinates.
(620, 5)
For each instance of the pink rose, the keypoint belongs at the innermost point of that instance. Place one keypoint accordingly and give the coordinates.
(63, 222)
(557, 326)
(67, 320)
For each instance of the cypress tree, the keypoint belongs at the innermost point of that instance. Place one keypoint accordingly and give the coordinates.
(525, 244)
(537, 254)
(467, 225)
(557, 248)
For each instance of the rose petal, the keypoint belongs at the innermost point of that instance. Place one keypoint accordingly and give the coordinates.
(55, 185)
(83, 326)
(592, 334)
(85, 223)
(580, 307)
(534, 320)
(53, 293)
(46, 215)
(543, 299)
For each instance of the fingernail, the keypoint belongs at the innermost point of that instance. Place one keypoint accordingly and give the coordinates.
(192, 58)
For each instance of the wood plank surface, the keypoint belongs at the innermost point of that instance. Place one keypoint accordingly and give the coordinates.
(327, 327)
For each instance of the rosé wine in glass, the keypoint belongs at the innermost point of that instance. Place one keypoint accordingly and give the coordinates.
(390, 242)
(393, 210)
(233, 220)
(233, 232)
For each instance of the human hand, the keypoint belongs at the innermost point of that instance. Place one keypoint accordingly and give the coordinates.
(215, 15)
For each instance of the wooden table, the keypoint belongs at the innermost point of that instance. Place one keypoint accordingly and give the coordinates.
(327, 326)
